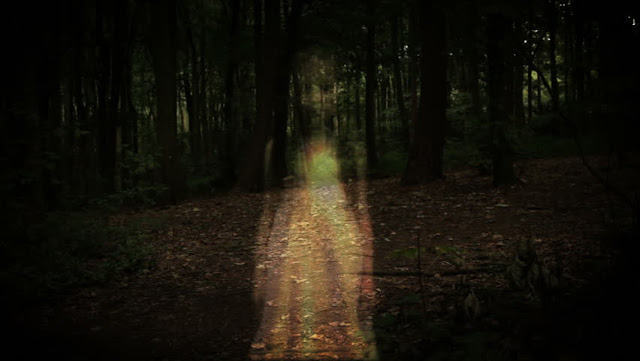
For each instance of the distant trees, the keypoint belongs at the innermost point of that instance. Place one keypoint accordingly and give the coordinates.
(156, 99)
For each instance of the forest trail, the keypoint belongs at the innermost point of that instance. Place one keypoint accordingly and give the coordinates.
(327, 270)
(311, 271)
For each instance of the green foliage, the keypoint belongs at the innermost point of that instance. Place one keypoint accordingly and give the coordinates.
(390, 163)
(352, 155)
(140, 166)
(452, 254)
(68, 250)
(201, 185)
(527, 271)
(535, 145)
(460, 154)
(409, 253)
(138, 197)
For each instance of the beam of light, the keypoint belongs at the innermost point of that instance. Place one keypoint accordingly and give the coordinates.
(314, 249)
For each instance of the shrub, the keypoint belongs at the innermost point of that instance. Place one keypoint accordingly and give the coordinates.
(69, 250)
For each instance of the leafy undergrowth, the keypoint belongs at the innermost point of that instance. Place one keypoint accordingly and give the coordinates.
(461, 271)
(65, 251)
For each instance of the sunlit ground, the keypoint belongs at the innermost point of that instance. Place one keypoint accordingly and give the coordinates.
(314, 252)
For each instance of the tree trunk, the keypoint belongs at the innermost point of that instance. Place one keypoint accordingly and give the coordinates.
(414, 48)
(530, 89)
(357, 96)
(518, 73)
(230, 108)
(501, 153)
(578, 50)
(371, 81)
(425, 157)
(163, 23)
(253, 172)
(194, 96)
(106, 127)
(281, 106)
(553, 67)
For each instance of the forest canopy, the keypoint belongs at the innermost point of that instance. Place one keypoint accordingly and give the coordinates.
(153, 101)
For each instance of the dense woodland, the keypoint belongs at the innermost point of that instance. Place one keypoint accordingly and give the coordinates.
(126, 105)
(137, 96)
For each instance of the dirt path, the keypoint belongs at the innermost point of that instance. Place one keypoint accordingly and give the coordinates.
(309, 272)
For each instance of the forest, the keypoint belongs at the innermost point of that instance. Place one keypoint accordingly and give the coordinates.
(319, 179)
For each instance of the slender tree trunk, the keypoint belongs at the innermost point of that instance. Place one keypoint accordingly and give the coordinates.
(253, 173)
(206, 109)
(281, 106)
(502, 162)
(230, 107)
(539, 93)
(566, 56)
(553, 67)
(193, 95)
(530, 91)
(518, 76)
(163, 23)
(425, 157)
(357, 105)
(578, 49)
(298, 107)
(258, 39)
(414, 49)
(371, 81)
(106, 127)
(347, 112)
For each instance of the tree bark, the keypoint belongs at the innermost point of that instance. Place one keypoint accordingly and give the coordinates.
(425, 157)
(501, 153)
(358, 111)
(163, 23)
(252, 176)
(106, 127)
(553, 67)
(230, 107)
(279, 169)
(193, 94)
(518, 73)
(414, 49)
(371, 82)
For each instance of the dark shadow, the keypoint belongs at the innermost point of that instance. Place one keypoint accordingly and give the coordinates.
(196, 303)
(583, 318)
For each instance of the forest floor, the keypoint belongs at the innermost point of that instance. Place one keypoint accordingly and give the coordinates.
(329, 270)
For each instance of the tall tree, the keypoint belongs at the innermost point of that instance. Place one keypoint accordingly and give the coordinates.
(518, 72)
(230, 106)
(371, 81)
(425, 157)
(106, 124)
(281, 105)
(193, 94)
(501, 152)
(163, 45)
(471, 52)
(252, 176)
(397, 75)
(552, 17)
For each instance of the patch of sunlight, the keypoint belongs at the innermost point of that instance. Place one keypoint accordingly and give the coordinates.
(323, 168)
(313, 268)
